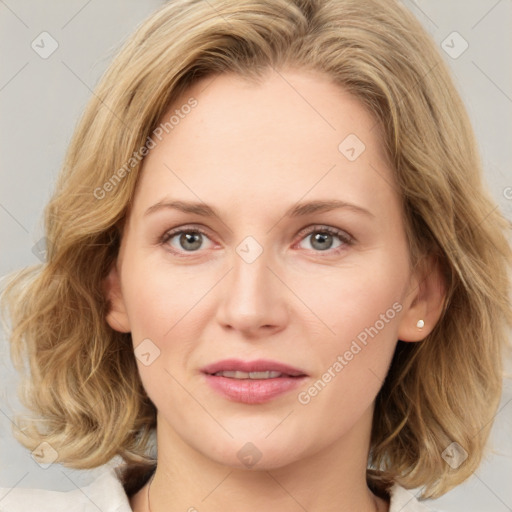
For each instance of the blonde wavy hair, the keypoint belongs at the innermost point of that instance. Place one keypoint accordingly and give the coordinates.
(82, 384)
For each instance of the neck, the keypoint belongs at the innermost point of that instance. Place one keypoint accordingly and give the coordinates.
(331, 480)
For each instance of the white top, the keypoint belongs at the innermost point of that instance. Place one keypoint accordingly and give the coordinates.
(107, 494)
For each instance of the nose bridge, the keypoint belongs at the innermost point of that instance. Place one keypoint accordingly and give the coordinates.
(252, 296)
(251, 279)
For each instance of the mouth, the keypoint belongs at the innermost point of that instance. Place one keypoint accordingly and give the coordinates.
(252, 382)
(259, 369)
(250, 375)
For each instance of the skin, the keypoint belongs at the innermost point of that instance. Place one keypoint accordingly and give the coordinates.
(252, 152)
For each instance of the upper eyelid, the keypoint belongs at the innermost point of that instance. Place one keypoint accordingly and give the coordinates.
(170, 233)
(304, 232)
(324, 227)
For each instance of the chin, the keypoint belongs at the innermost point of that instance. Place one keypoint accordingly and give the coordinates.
(258, 454)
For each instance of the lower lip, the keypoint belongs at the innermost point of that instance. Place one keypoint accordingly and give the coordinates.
(253, 391)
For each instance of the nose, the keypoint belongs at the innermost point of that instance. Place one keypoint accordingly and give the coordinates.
(253, 298)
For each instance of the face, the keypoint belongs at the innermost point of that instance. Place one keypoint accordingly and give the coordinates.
(292, 269)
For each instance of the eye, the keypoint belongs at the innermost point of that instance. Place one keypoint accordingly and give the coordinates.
(323, 238)
(185, 240)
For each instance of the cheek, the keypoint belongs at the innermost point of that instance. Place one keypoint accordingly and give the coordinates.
(353, 362)
(361, 307)
(159, 299)
(165, 307)
(350, 301)
(160, 304)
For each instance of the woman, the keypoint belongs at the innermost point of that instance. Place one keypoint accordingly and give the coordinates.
(271, 248)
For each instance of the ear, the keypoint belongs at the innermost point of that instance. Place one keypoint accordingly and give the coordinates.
(117, 316)
(425, 299)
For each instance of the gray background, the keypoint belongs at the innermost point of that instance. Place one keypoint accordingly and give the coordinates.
(41, 100)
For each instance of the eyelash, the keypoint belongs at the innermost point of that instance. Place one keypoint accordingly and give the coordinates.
(346, 239)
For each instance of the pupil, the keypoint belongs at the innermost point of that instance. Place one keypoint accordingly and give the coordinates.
(187, 241)
(322, 238)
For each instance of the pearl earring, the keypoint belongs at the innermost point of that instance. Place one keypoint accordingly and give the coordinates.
(420, 324)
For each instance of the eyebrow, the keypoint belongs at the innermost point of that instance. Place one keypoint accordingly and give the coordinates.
(298, 210)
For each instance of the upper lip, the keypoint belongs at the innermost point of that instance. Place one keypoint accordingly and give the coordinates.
(259, 365)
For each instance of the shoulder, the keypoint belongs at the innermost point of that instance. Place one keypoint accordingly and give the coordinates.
(105, 493)
(403, 500)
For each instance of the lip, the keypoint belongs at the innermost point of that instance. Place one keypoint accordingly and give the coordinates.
(259, 365)
(252, 391)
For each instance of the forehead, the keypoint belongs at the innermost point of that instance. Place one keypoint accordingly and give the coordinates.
(294, 134)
